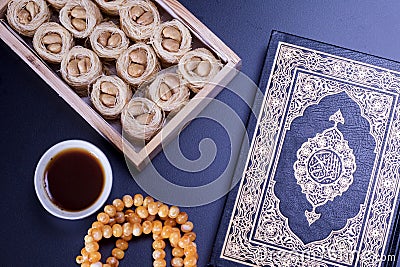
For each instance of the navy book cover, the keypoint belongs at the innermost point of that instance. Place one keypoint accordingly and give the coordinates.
(320, 185)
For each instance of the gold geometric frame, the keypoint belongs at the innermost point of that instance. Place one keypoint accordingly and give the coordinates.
(289, 59)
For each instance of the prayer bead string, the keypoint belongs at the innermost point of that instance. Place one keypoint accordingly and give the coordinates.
(134, 216)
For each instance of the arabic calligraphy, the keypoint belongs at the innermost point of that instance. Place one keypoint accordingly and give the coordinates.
(325, 166)
(319, 169)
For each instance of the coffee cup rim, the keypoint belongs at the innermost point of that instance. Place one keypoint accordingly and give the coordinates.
(39, 182)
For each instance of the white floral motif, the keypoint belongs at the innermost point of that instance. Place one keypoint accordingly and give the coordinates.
(239, 245)
(329, 172)
(375, 105)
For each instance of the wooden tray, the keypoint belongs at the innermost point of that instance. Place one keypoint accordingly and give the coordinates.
(111, 130)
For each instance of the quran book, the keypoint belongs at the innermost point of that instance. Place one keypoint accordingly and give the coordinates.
(320, 183)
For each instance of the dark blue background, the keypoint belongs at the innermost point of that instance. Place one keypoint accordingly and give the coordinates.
(34, 118)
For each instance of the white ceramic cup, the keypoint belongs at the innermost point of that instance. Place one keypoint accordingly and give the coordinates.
(40, 183)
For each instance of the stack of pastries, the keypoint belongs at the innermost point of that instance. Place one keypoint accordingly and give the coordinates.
(107, 50)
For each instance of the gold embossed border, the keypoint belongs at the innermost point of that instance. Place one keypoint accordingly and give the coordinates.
(272, 227)
(237, 246)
